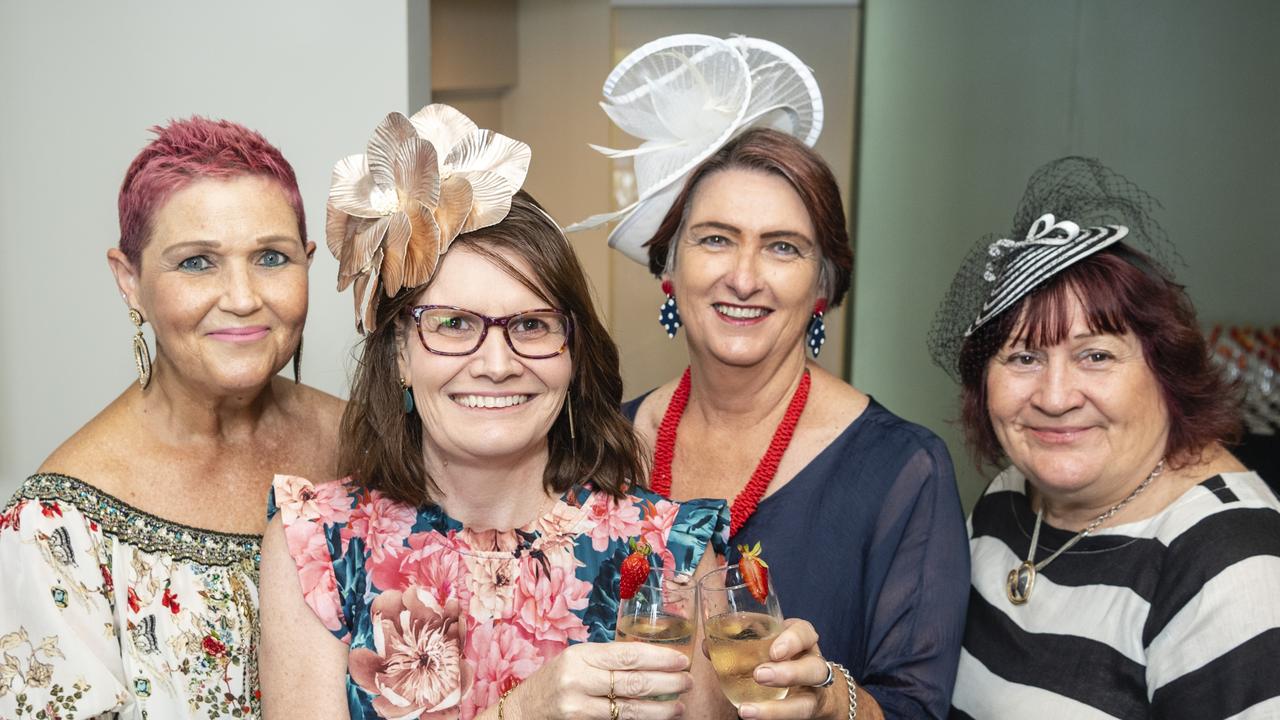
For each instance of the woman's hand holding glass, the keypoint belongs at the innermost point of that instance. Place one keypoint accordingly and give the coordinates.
(605, 681)
(794, 662)
(768, 667)
(660, 613)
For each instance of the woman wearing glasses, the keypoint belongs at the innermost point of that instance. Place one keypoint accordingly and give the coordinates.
(470, 564)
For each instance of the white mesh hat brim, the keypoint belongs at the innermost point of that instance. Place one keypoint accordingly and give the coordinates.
(686, 96)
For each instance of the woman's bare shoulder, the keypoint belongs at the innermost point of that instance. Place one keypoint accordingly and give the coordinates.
(98, 453)
(653, 407)
(314, 416)
(314, 402)
(833, 401)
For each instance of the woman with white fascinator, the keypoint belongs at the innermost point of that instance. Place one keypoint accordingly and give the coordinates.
(855, 509)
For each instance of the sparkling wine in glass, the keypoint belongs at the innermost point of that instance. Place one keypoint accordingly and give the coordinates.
(660, 613)
(739, 630)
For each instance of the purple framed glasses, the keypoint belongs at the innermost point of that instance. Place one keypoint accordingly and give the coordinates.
(532, 334)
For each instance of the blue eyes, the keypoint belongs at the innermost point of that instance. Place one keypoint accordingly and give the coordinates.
(201, 263)
(274, 258)
(195, 264)
(780, 247)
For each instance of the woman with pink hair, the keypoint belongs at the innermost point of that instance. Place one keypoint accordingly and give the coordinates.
(131, 557)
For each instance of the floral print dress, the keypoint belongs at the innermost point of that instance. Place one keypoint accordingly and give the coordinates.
(442, 619)
(108, 611)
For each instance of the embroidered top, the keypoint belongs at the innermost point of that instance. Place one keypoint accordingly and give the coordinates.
(108, 610)
(489, 607)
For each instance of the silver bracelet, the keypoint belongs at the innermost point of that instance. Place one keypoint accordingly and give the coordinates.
(853, 690)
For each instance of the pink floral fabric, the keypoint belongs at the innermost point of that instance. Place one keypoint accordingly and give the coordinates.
(442, 619)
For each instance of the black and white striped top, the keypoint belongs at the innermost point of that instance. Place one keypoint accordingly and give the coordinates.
(1174, 616)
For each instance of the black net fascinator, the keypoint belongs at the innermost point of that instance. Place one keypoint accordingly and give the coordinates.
(1071, 209)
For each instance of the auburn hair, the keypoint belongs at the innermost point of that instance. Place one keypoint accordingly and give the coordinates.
(777, 153)
(1120, 290)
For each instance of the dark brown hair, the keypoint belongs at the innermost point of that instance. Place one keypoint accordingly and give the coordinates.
(381, 446)
(1120, 290)
(780, 154)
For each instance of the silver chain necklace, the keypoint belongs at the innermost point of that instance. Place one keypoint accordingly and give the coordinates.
(1022, 579)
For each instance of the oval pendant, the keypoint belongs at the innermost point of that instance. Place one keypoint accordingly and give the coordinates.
(1020, 582)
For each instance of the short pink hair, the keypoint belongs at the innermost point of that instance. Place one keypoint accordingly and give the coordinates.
(188, 150)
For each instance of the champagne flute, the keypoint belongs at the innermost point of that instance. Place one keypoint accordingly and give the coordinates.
(739, 630)
(660, 613)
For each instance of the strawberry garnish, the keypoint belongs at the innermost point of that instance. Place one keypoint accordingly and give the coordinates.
(755, 572)
(634, 571)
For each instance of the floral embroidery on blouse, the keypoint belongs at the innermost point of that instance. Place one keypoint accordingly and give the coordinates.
(442, 619)
(108, 610)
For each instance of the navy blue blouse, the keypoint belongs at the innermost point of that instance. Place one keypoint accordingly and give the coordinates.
(868, 544)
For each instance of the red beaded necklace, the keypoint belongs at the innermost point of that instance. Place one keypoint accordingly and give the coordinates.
(744, 505)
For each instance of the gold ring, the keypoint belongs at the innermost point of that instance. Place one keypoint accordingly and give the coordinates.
(612, 696)
(613, 709)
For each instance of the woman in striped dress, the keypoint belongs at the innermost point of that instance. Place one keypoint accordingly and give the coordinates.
(1125, 564)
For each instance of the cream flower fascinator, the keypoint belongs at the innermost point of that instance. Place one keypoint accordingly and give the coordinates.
(685, 97)
(422, 181)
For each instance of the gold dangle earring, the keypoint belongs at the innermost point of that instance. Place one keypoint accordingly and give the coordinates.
(141, 353)
(569, 406)
(297, 363)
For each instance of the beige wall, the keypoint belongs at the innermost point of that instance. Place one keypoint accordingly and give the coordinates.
(563, 44)
(535, 80)
(544, 89)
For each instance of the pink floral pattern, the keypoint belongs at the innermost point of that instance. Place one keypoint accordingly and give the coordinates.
(415, 667)
(657, 524)
(505, 658)
(315, 572)
(611, 520)
(491, 583)
(444, 619)
(380, 522)
(300, 500)
(545, 603)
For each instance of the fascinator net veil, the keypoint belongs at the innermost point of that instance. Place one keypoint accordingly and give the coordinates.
(1080, 191)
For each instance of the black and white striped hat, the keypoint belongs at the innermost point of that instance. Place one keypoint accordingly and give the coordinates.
(1073, 208)
(1049, 248)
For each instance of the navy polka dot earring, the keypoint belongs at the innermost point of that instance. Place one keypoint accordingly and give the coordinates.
(668, 313)
(817, 328)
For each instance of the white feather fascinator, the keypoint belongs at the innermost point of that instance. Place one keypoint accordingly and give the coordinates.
(685, 97)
